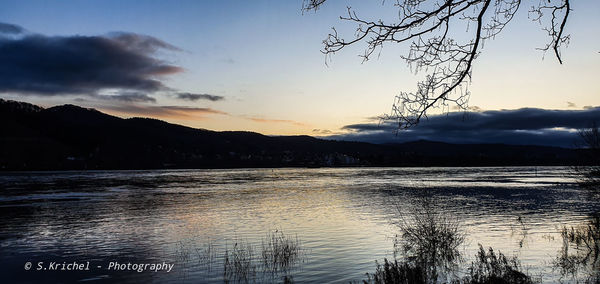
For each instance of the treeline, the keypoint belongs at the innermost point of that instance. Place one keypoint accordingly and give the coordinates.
(69, 137)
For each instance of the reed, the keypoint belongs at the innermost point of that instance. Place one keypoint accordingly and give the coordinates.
(580, 253)
(279, 251)
(238, 264)
(490, 267)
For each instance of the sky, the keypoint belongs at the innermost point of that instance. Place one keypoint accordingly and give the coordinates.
(257, 66)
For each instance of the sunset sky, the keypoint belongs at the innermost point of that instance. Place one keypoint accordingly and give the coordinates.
(257, 65)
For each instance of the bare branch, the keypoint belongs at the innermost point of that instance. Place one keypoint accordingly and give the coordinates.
(430, 28)
(557, 23)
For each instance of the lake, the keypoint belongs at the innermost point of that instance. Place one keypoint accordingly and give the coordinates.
(215, 226)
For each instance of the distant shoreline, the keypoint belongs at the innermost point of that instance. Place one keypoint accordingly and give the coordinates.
(74, 138)
(273, 168)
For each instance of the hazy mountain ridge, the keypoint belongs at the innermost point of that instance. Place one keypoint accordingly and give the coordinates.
(72, 137)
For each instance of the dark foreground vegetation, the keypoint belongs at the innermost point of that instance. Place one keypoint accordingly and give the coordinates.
(69, 137)
(487, 268)
(580, 253)
(428, 249)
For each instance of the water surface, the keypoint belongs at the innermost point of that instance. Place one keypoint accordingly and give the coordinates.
(344, 219)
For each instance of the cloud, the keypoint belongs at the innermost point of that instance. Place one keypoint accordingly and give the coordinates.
(81, 65)
(131, 97)
(188, 111)
(266, 120)
(364, 127)
(571, 105)
(120, 71)
(142, 43)
(10, 29)
(321, 131)
(175, 112)
(470, 108)
(228, 60)
(520, 126)
(195, 97)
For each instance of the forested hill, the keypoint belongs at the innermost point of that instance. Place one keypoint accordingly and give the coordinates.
(72, 137)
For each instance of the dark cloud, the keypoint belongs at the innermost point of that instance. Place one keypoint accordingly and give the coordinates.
(10, 29)
(521, 126)
(81, 65)
(195, 97)
(367, 127)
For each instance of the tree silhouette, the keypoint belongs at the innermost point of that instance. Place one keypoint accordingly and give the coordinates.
(430, 27)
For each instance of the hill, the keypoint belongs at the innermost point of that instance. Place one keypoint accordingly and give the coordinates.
(72, 137)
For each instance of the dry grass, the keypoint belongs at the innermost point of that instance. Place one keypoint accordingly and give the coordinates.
(580, 253)
(238, 264)
(429, 239)
(207, 255)
(490, 267)
(280, 252)
(396, 272)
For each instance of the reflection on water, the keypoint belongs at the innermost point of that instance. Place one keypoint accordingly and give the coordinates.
(342, 219)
